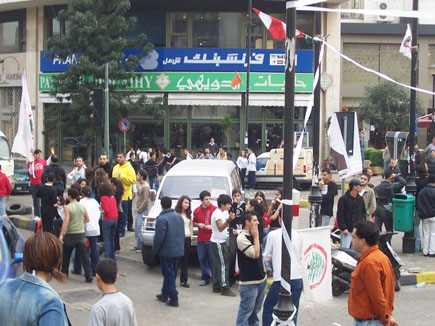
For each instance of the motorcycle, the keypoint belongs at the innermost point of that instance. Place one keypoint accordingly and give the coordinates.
(344, 262)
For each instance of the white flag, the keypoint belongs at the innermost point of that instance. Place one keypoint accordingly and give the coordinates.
(406, 46)
(23, 142)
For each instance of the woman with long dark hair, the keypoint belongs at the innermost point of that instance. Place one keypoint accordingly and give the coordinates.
(110, 214)
(275, 209)
(184, 208)
(100, 177)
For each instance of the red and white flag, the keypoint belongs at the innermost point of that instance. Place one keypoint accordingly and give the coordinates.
(406, 46)
(275, 26)
(23, 142)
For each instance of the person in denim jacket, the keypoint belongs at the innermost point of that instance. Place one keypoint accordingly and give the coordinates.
(29, 300)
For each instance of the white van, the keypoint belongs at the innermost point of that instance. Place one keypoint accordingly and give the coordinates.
(6, 159)
(189, 178)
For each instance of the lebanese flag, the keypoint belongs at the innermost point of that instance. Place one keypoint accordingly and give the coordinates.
(275, 26)
(236, 80)
(406, 46)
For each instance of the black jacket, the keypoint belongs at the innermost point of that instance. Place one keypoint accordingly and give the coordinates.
(48, 195)
(57, 170)
(349, 211)
(426, 202)
(385, 191)
(328, 199)
(107, 168)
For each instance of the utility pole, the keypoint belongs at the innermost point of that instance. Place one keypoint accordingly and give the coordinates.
(248, 70)
(106, 111)
(315, 197)
(284, 309)
(408, 240)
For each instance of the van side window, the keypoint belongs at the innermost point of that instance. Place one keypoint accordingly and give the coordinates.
(235, 180)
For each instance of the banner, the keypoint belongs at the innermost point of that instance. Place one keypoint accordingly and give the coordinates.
(199, 59)
(23, 141)
(200, 82)
(347, 165)
(316, 263)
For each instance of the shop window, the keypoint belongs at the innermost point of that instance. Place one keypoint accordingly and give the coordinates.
(255, 112)
(202, 132)
(255, 137)
(274, 136)
(215, 111)
(148, 134)
(13, 31)
(178, 138)
(178, 111)
(274, 112)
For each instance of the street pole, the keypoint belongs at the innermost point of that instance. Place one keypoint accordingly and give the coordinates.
(284, 309)
(315, 197)
(248, 70)
(343, 190)
(408, 240)
(106, 111)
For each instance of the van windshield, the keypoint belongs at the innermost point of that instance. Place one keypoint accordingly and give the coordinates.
(177, 186)
(5, 152)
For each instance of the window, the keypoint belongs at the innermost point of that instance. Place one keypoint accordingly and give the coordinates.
(205, 29)
(13, 31)
(190, 185)
(5, 152)
(153, 24)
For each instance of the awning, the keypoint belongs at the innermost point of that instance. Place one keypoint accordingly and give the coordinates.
(425, 121)
(276, 99)
(205, 99)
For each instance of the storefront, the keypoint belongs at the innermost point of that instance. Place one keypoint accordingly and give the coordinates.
(195, 106)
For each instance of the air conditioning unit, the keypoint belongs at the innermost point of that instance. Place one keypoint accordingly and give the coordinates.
(385, 5)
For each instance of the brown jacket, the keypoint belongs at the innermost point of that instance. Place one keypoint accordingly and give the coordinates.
(372, 287)
(370, 202)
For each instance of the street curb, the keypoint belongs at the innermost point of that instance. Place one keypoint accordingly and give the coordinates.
(413, 279)
(23, 222)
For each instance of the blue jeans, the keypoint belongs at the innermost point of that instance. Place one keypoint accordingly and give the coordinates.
(205, 257)
(154, 182)
(251, 300)
(346, 240)
(2, 205)
(273, 296)
(123, 222)
(375, 322)
(109, 227)
(138, 228)
(169, 272)
(251, 179)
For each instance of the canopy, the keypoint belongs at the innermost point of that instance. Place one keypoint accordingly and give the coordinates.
(425, 121)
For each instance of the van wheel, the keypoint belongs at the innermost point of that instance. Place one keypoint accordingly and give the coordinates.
(17, 209)
(148, 256)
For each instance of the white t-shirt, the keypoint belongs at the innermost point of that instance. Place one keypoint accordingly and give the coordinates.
(252, 162)
(242, 162)
(92, 228)
(273, 251)
(143, 157)
(216, 235)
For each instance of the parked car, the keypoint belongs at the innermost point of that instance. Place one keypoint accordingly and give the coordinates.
(189, 178)
(271, 165)
(21, 177)
(11, 250)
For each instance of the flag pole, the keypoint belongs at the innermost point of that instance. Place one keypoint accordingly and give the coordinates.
(248, 68)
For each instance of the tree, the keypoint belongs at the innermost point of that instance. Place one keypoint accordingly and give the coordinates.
(95, 35)
(387, 107)
(227, 127)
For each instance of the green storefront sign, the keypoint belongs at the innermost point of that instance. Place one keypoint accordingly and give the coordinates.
(260, 82)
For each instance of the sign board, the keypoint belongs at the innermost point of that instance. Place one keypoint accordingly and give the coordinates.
(124, 125)
(214, 82)
(10, 80)
(199, 59)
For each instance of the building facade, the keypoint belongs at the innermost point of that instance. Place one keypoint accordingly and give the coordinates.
(193, 95)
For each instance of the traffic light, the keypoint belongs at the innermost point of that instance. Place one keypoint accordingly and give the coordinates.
(98, 99)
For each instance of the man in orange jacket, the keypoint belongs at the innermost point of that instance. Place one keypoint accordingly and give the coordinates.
(5, 191)
(371, 295)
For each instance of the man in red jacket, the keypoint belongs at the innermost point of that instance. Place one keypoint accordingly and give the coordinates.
(5, 191)
(202, 220)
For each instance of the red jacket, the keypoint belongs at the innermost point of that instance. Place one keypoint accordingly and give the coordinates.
(5, 185)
